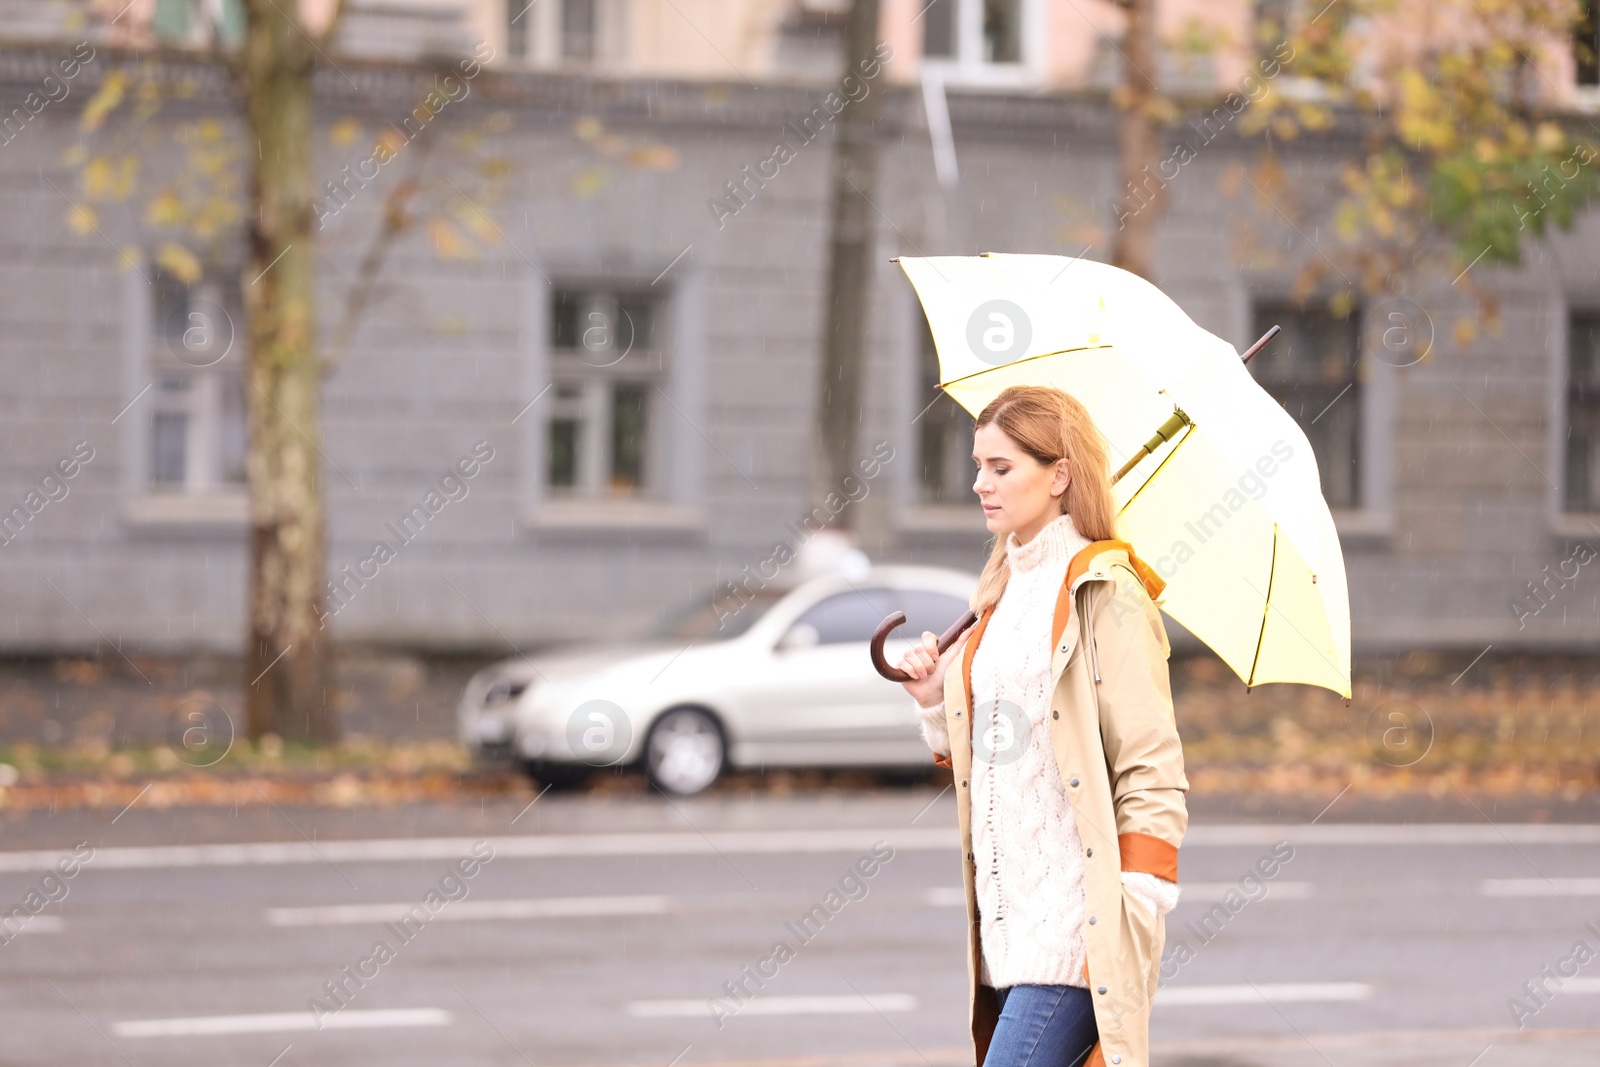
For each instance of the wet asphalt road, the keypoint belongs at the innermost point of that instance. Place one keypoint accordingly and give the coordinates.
(591, 932)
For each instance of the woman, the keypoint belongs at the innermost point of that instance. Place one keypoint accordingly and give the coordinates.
(1059, 729)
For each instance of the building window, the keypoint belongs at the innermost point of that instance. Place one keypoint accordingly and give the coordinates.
(578, 29)
(605, 370)
(978, 38)
(944, 434)
(194, 22)
(1582, 490)
(1311, 369)
(197, 432)
(517, 27)
(939, 29)
(1586, 43)
(1002, 31)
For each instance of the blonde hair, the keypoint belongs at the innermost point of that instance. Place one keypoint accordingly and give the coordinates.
(1051, 425)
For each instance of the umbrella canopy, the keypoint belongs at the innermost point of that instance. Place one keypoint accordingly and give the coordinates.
(1229, 511)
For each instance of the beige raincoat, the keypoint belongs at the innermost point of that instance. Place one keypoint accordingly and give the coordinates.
(1117, 750)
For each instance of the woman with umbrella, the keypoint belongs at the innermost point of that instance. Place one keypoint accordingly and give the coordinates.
(1058, 726)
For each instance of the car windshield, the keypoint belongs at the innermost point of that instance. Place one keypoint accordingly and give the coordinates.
(716, 617)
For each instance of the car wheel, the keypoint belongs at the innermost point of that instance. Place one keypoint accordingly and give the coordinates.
(685, 751)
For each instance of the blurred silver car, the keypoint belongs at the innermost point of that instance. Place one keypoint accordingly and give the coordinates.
(750, 680)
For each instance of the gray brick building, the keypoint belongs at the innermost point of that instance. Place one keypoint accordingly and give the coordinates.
(613, 480)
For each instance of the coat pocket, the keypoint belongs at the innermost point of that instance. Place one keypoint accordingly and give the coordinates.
(1145, 932)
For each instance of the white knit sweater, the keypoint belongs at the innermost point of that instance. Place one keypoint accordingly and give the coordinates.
(1027, 854)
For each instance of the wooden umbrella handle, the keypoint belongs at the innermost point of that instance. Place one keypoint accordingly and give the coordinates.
(887, 626)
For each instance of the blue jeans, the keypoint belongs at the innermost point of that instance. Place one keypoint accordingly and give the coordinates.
(1042, 1026)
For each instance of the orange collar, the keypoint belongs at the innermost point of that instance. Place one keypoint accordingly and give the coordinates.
(1153, 584)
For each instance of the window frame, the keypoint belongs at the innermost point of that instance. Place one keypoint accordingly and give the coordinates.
(968, 69)
(1563, 523)
(205, 497)
(948, 524)
(546, 37)
(1372, 519)
(675, 370)
(1589, 12)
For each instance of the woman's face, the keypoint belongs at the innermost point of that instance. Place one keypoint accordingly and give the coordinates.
(1019, 494)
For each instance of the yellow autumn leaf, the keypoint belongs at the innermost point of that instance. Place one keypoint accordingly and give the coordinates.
(447, 240)
(654, 157)
(97, 177)
(588, 128)
(180, 263)
(388, 145)
(104, 100)
(125, 177)
(478, 224)
(588, 182)
(74, 156)
(1347, 222)
(1382, 220)
(81, 219)
(344, 132)
(164, 209)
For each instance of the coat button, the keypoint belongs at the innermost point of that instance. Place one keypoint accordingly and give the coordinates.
(1063, 648)
(1055, 715)
(1073, 782)
(1089, 852)
(1116, 1059)
(1102, 991)
(1091, 920)
(963, 783)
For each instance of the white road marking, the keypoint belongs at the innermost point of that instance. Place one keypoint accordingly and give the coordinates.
(1576, 985)
(852, 1005)
(409, 850)
(1540, 887)
(1210, 892)
(1476, 833)
(280, 1022)
(1278, 993)
(945, 896)
(675, 843)
(38, 924)
(472, 910)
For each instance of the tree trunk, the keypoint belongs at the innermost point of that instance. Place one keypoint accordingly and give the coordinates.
(1142, 192)
(850, 249)
(287, 661)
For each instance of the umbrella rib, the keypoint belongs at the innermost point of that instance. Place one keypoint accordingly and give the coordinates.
(1266, 608)
(1019, 362)
(1164, 461)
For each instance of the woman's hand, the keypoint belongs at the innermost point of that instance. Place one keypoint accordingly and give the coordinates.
(926, 668)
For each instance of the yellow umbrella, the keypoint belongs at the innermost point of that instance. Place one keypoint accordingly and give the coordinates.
(1227, 506)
